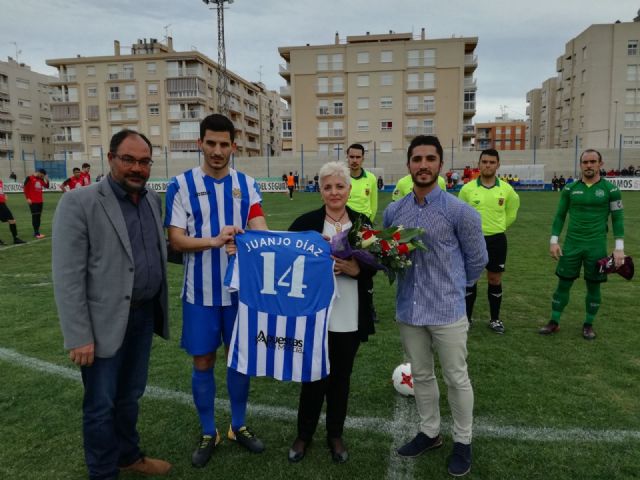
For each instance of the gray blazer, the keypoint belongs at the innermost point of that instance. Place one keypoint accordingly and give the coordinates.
(93, 268)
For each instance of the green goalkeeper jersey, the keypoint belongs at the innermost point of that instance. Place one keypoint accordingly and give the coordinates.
(589, 208)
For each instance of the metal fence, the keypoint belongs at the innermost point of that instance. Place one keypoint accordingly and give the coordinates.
(391, 166)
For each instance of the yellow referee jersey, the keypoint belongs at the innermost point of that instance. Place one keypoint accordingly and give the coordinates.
(498, 205)
(405, 186)
(364, 194)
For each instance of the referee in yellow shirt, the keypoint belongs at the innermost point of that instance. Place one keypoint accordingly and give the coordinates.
(497, 203)
(364, 185)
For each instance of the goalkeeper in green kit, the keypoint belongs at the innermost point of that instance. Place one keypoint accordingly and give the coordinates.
(589, 203)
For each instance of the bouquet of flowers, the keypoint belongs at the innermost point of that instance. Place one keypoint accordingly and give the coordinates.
(387, 250)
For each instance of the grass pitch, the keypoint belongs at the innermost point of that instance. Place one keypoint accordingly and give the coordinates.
(546, 407)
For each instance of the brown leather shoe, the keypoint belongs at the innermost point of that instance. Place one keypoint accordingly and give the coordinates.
(148, 466)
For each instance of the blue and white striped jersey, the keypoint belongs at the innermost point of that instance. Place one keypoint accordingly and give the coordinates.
(285, 285)
(202, 205)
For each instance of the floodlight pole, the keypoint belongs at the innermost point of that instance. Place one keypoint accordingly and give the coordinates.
(222, 88)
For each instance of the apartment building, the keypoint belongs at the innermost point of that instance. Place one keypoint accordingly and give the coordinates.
(380, 90)
(156, 90)
(25, 118)
(503, 134)
(596, 101)
(541, 112)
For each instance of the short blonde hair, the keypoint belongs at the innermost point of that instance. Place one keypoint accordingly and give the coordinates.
(338, 169)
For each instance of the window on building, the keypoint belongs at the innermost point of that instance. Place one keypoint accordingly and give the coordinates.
(632, 120)
(91, 71)
(632, 96)
(114, 92)
(429, 80)
(413, 103)
(386, 125)
(429, 103)
(323, 129)
(323, 85)
(24, 103)
(498, 130)
(386, 79)
(26, 120)
(26, 138)
(412, 81)
(427, 126)
(22, 83)
(336, 61)
(363, 125)
(429, 57)
(633, 73)
(632, 47)
(94, 131)
(386, 147)
(152, 89)
(154, 109)
(363, 57)
(413, 58)
(93, 112)
(386, 56)
(323, 148)
(363, 103)
(507, 130)
(130, 92)
(154, 130)
(151, 68)
(323, 107)
(386, 102)
(322, 62)
(363, 80)
(338, 107)
(469, 100)
(337, 85)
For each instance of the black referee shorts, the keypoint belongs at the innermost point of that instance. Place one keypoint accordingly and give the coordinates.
(5, 213)
(497, 250)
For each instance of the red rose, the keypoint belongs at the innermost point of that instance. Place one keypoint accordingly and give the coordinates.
(367, 234)
(403, 249)
(385, 246)
(396, 236)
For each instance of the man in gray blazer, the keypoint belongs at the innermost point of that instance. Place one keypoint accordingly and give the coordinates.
(110, 285)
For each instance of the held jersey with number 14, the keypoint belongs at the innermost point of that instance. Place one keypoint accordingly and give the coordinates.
(285, 286)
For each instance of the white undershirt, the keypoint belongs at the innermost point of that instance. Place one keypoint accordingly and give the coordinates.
(344, 313)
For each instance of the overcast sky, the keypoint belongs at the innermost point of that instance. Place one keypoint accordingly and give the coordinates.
(519, 41)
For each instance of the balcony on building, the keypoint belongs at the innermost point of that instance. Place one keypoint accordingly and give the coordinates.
(4, 87)
(331, 133)
(287, 134)
(285, 92)
(468, 130)
(469, 107)
(65, 138)
(184, 136)
(6, 126)
(329, 89)
(470, 62)
(419, 130)
(284, 71)
(252, 129)
(469, 83)
(421, 85)
(330, 111)
(251, 111)
(195, 114)
(420, 108)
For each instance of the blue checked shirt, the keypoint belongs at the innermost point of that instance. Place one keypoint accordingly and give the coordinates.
(431, 291)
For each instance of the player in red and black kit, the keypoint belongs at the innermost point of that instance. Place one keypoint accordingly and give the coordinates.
(7, 216)
(85, 175)
(75, 181)
(34, 185)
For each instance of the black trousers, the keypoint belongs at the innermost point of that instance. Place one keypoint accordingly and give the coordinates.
(335, 388)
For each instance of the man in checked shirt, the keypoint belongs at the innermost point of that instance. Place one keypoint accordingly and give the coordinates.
(430, 303)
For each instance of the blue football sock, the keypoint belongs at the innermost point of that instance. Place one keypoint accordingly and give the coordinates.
(203, 387)
(238, 386)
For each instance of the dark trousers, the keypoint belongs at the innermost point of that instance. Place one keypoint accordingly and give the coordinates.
(36, 213)
(112, 388)
(335, 387)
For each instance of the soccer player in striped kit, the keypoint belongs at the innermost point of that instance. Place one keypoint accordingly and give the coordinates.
(206, 207)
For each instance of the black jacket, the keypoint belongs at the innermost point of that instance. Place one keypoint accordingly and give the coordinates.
(314, 220)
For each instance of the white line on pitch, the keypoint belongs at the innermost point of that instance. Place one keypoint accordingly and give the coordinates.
(404, 414)
(483, 427)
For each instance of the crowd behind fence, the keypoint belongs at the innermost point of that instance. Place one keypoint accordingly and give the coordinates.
(391, 166)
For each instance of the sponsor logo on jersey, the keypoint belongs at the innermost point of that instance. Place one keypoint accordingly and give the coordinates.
(236, 193)
(576, 192)
(367, 191)
(501, 201)
(281, 343)
(599, 193)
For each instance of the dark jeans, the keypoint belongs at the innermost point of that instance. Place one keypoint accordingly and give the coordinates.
(112, 388)
(335, 387)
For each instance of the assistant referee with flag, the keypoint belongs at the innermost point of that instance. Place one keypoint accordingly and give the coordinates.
(498, 203)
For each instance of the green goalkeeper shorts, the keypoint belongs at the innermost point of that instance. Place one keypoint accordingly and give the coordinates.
(575, 255)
